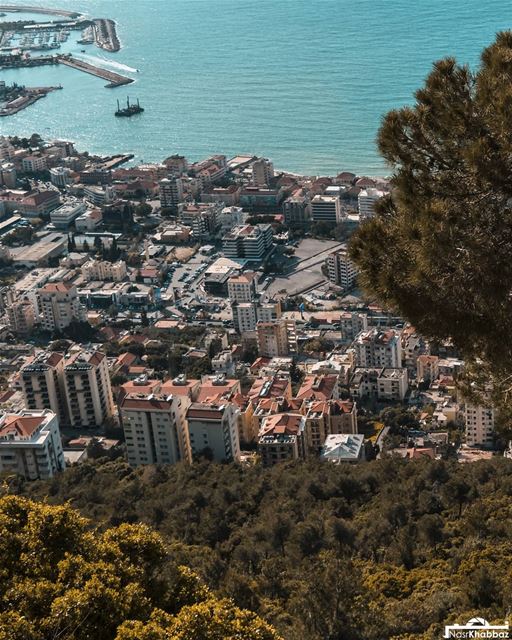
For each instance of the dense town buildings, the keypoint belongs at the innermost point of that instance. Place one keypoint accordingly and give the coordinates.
(191, 308)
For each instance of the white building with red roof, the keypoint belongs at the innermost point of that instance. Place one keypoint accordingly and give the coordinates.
(30, 445)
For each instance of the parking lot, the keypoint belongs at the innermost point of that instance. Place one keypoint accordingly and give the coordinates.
(307, 272)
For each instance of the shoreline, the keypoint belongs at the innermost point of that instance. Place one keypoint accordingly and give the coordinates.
(23, 102)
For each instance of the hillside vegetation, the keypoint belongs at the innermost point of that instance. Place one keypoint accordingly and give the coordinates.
(388, 549)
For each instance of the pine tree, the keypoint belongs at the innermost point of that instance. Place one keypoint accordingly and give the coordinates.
(438, 250)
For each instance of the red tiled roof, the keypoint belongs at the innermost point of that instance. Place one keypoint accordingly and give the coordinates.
(212, 390)
(21, 425)
(317, 387)
(62, 287)
(282, 423)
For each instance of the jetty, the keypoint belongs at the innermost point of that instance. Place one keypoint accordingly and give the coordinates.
(25, 8)
(114, 79)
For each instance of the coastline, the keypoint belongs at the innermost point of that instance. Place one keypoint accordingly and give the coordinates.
(22, 102)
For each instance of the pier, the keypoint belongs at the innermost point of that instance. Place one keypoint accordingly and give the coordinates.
(114, 79)
(25, 8)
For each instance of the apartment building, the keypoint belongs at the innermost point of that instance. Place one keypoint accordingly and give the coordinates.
(427, 368)
(377, 348)
(479, 425)
(202, 218)
(34, 164)
(248, 242)
(231, 217)
(155, 428)
(341, 270)
(21, 316)
(366, 201)
(30, 445)
(245, 316)
(326, 209)
(276, 338)
(297, 209)
(87, 388)
(213, 427)
(60, 306)
(352, 323)
(42, 384)
(281, 438)
(171, 192)
(319, 387)
(104, 270)
(392, 384)
(242, 288)
(262, 172)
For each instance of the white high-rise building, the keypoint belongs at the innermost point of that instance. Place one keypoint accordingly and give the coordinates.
(88, 391)
(366, 201)
(214, 427)
(479, 425)
(341, 270)
(244, 316)
(231, 217)
(30, 445)
(60, 176)
(155, 428)
(42, 383)
(326, 209)
(60, 306)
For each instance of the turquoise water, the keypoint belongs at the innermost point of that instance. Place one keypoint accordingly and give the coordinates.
(304, 82)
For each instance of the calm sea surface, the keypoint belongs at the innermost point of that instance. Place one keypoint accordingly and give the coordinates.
(305, 82)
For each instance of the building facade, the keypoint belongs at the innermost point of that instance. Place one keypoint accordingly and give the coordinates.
(30, 445)
(341, 270)
(60, 306)
(213, 427)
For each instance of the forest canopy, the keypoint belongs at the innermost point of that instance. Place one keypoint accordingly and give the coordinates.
(387, 549)
(62, 579)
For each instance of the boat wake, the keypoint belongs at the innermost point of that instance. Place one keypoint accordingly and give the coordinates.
(118, 65)
(105, 62)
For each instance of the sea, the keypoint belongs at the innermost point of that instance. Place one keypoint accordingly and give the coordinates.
(303, 82)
